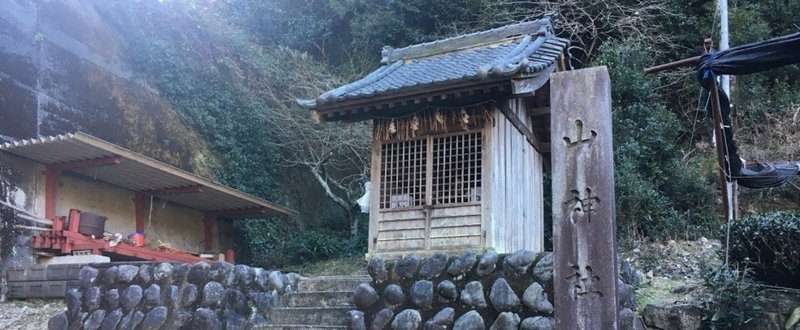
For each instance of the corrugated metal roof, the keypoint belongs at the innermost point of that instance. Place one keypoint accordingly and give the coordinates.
(140, 173)
(527, 47)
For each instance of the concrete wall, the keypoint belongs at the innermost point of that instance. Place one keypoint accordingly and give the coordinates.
(177, 226)
(63, 68)
(29, 180)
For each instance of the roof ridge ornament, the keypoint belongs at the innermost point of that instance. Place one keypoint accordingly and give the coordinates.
(386, 53)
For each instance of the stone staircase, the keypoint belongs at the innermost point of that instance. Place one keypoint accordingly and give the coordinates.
(319, 303)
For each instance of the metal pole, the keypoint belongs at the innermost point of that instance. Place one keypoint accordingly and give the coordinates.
(721, 153)
(724, 39)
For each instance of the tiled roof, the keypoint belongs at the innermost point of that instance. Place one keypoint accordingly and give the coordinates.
(528, 47)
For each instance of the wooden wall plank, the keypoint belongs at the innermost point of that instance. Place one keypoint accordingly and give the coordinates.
(404, 234)
(455, 242)
(451, 222)
(374, 197)
(516, 210)
(455, 231)
(399, 245)
(395, 225)
(456, 211)
(500, 221)
(487, 185)
(402, 214)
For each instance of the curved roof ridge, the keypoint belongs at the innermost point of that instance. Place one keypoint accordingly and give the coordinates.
(528, 47)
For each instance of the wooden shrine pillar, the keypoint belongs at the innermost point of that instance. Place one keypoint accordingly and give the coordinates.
(584, 228)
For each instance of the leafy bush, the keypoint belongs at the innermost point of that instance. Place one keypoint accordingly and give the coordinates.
(769, 243)
(659, 194)
(734, 299)
(277, 243)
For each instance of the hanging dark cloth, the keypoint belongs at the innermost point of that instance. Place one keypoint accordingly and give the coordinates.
(767, 175)
(746, 59)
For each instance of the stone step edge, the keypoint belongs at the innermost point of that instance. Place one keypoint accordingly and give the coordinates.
(336, 277)
(305, 292)
(300, 326)
(322, 309)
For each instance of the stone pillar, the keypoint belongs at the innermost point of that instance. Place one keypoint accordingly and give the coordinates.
(584, 230)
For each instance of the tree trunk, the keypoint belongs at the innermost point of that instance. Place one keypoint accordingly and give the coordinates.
(349, 207)
(353, 224)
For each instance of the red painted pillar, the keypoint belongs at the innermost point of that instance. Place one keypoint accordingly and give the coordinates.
(74, 220)
(229, 256)
(208, 222)
(51, 175)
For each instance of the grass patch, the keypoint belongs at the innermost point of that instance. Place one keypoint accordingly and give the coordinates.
(338, 266)
(665, 289)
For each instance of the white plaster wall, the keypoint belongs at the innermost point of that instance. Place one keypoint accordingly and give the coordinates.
(177, 226)
(87, 195)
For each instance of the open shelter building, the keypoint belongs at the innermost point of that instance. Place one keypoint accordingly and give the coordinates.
(86, 187)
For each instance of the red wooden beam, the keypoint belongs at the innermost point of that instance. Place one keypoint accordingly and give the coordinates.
(51, 176)
(175, 190)
(74, 220)
(78, 164)
(229, 257)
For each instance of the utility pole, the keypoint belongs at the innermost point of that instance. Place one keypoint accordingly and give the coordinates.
(724, 39)
(724, 43)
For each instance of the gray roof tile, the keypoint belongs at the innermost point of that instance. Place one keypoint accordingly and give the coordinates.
(531, 48)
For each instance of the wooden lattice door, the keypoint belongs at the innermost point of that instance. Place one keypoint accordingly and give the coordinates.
(430, 193)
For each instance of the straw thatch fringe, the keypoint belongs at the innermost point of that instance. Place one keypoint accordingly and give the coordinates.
(433, 121)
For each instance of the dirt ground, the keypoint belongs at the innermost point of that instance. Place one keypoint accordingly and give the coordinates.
(28, 314)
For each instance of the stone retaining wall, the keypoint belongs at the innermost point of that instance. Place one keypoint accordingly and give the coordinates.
(173, 296)
(468, 291)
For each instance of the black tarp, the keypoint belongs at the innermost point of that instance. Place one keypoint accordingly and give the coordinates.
(751, 58)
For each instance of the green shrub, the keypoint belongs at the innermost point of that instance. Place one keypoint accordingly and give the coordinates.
(769, 243)
(734, 300)
(276, 243)
(659, 194)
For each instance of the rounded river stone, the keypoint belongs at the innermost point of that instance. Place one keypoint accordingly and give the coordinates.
(393, 294)
(470, 321)
(433, 266)
(408, 319)
(377, 269)
(487, 263)
(502, 297)
(365, 296)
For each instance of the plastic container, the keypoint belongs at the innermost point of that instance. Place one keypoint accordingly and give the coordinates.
(137, 238)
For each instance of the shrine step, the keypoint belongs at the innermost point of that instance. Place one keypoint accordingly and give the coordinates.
(319, 303)
(300, 326)
(318, 299)
(309, 316)
(332, 283)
